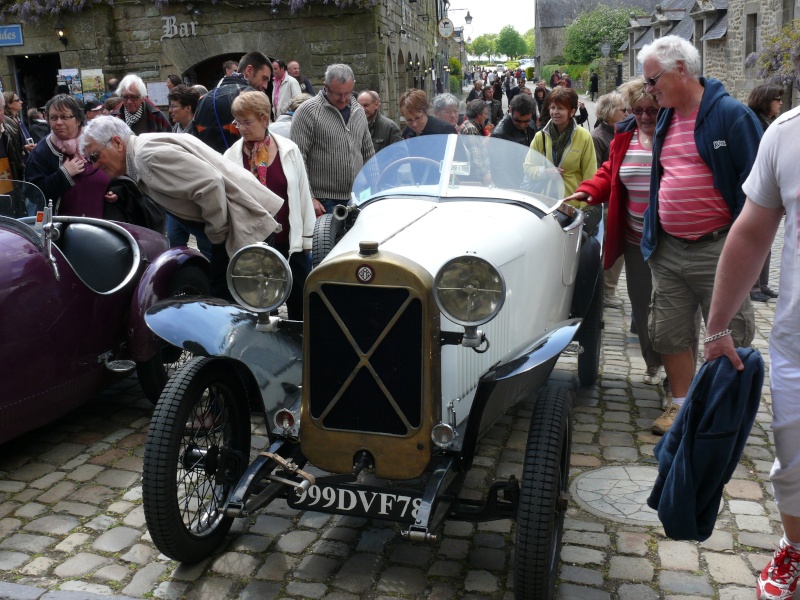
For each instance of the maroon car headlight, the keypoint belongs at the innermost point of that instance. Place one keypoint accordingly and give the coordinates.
(259, 278)
(469, 290)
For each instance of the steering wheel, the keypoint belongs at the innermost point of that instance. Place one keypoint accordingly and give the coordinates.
(429, 164)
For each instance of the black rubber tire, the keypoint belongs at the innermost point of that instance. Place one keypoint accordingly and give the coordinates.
(206, 392)
(590, 337)
(154, 373)
(327, 231)
(543, 496)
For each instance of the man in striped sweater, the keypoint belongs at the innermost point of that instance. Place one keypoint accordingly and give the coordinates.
(332, 133)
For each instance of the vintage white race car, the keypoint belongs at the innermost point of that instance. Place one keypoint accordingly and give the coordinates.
(442, 295)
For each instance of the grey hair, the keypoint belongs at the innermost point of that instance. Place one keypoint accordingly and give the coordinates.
(132, 81)
(339, 73)
(372, 94)
(102, 129)
(444, 101)
(608, 104)
(476, 108)
(667, 51)
(201, 89)
(297, 101)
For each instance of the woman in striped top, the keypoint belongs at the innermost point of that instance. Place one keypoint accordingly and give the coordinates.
(624, 183)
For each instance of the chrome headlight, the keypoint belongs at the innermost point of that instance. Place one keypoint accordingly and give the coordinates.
(259, 278)
(469, 290)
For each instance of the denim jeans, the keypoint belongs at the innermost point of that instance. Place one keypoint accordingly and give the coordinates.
(331, 204)
(179, 230)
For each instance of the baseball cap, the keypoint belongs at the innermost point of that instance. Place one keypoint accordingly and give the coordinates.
(91, 106)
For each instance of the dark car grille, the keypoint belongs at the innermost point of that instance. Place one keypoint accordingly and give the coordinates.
(383, 395)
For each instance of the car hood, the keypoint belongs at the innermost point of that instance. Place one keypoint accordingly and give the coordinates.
(431, 233)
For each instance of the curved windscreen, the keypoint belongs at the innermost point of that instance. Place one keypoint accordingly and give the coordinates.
(19, 199)
(460, 166)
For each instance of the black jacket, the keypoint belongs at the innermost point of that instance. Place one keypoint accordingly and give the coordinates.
(699, 453)
(506, 130)
(213, 116)
(432, 127)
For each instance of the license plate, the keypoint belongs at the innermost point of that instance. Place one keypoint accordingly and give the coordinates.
(359, 501)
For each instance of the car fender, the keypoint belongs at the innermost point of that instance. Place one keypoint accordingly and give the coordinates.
(153, 287)
(215, 328)
(517, 376)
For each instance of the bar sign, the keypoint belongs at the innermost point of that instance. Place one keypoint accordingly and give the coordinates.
(11, 35)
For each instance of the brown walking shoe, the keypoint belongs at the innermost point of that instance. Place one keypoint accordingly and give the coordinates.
(662, 424)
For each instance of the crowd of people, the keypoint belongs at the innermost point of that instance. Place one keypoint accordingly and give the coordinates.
(694, 197)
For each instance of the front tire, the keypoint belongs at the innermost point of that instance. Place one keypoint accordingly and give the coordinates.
(327, 231)
(197, 448)
(543, 496)
(154, 373)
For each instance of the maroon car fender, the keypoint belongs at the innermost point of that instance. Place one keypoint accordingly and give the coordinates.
(153, 287)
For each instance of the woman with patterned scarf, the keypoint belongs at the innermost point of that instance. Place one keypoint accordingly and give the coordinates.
(569, 147)
(277, 163)
(57, 167)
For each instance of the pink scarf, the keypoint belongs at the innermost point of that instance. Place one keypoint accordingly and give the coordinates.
(66, 147)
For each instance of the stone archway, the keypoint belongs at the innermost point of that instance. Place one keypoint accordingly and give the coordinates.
(209, 71)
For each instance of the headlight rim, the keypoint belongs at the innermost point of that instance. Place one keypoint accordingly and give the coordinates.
(437, 279)
(261, 247)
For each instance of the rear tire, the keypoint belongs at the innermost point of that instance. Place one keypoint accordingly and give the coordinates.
(197, 448)
(154, 373)
(543, 496)
(327, 231)
(590, 337)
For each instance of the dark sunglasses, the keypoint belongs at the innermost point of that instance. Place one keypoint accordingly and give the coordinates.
(651, 112)
(526, 121)
(651, 81)
(94, 156)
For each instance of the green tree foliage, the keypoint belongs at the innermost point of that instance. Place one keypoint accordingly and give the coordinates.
(455, 66)
(584, 35)
(775, 62)
(510, 42)
(484, 45)
(530, 42)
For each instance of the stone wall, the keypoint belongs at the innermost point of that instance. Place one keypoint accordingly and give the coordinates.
(154, 42)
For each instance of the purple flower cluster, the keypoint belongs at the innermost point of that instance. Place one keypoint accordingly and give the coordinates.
(776, 61)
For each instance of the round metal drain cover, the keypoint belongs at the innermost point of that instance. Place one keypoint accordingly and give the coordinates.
(617, 493)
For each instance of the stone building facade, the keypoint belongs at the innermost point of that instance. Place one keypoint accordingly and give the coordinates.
(391, 46)
(725, 32)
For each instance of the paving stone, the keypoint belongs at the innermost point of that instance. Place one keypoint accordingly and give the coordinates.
(295, 542)
(34, 544)
(357, 574)
(445, 568)
(73, 542)
(11, 560)
(48, 480)
(85, 473)
(173, 590)
(269, 525)
(374, 540)
(81, 564)
(112, 573)
(454, 549)
(487, 558)
(630, 542)
(581, 556)
(235, 564)
(186, 572)
(84, 590)
(101, 523)
(568, 591)
(684, 583)
(630, 568)
(598, 540)
(753, 523)
(306, 590)
(92, 494)
(719, 540)
(410, 554)
(314, 567)
(480, 581)
(744, 489)
(145, 579)
(116, 539)
(276, 566)
(629, 591)
(759, 540)
(678, 556)
(581, 575)
(211, 588)
(135, 518)
(57, 493)
(53, 524)
(31, 472)
(115, 478)
(16, 591)
(38, 567)
(725, 568)
(260, 590)
(736, 593)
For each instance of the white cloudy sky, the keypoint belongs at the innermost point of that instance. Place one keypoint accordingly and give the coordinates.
(491, 17)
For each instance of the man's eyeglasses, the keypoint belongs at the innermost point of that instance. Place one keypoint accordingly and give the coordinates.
(57, 118)
(522, 121)
(328, 92)
(651, 81)
(130, 97)
(651, 112)
(95, 156)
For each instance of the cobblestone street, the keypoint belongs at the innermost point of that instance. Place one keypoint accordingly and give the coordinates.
(72, 524)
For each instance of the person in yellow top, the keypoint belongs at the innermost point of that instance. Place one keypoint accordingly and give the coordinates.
(567, 145)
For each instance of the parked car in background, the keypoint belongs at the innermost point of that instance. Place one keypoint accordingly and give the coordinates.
(445, 292)
(73, 292)
(501, 68)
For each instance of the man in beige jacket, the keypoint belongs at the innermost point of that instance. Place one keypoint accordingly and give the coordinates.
(214, 197)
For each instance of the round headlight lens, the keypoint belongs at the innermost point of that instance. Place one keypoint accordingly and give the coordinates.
(259, 278)
(469, 290)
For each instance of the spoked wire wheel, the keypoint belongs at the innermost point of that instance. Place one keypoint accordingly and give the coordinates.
(197, 448)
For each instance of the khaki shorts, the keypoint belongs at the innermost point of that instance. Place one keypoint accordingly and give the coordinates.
(683, 279)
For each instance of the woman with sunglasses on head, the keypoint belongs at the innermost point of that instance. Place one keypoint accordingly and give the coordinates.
(12, 111)
(57, 167)
(623, 181)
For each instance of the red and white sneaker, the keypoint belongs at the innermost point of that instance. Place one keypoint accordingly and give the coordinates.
(778, 580)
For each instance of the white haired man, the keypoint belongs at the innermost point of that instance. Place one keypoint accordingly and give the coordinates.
(332, 133)
(704, 146)
(141, 115)
(210, 195)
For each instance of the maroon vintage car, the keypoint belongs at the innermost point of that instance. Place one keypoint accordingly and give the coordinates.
(73, 293)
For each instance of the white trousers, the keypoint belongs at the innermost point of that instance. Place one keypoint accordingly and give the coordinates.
(785, 474)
